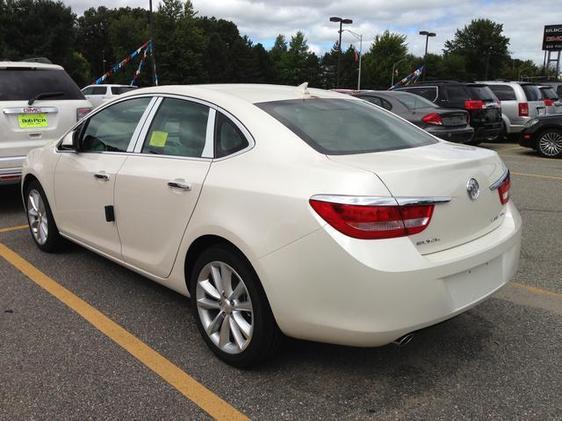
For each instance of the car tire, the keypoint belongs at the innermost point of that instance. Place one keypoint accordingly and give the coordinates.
(234, 318)
(549, 143)
(40, 219)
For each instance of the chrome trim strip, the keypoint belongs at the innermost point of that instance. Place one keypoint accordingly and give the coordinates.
(140, 124)
(208, 150)
(22, 110)
(381, 200)
(12, 158)
(496, 184)
(146, 123)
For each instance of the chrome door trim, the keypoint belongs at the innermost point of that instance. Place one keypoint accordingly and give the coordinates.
(381, 200)
(496, 184)
(140, 125)
(145, 126)
(209, 149)
(25, 110)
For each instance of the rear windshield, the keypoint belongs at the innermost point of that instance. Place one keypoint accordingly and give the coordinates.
(532, 92)
(549, 93)
(504, 92)
(481, 92)
(413, 102)
(118, 90)
(24, 84)
(341, 126)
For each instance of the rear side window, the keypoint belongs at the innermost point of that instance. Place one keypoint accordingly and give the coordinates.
(456, 93)
(559, 90)
(179, 129)
(532, 92)
(341, 126)
(429, 93)
(549, 93)
(118, 90)
(503, 92)
(111, 129)
(228, 137)
(482, 92)
(413, 102)
(98, 90)
(24, 84)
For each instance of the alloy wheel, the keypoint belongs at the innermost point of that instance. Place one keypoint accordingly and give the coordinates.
(224, 307)
(37, 216)
(550, 143)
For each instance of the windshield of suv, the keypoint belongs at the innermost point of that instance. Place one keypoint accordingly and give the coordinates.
(482, 92)
(532, 92)
(341, 126)
(413, 102)
(23, 84)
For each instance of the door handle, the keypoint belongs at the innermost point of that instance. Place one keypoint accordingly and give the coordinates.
(101, 176)
(179, 184)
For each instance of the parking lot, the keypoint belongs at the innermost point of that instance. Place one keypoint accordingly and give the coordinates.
(83, 338)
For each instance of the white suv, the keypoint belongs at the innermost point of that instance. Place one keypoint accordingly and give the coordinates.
(38, 103)
(98, 94)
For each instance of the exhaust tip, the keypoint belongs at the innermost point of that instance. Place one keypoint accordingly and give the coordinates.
(404, 340)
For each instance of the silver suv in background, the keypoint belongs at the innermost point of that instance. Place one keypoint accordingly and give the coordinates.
(520, 102)
(98, 94)
(552, 100)
(38, 103)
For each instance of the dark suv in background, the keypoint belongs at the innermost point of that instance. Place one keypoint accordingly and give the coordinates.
(476, 98)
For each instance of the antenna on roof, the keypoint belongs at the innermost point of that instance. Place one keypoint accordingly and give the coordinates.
(303, 88)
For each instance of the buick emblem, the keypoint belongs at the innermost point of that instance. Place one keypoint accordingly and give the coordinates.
(473, 189)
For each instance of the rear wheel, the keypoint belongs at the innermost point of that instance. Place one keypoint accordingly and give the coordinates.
(549, 143)
(42, 225)
(231, 309)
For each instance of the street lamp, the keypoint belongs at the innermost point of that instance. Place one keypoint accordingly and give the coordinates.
(427, 35)
(360, 38)
(341, 22)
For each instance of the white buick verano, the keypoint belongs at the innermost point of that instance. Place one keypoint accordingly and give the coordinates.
(280, 209)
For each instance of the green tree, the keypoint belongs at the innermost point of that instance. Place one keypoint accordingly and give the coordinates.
(483, 46)
(278, 57)
(386, 50)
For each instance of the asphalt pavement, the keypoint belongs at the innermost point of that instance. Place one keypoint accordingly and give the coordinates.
(500, 360)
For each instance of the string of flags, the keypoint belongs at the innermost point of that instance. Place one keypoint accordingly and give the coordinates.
(410, 79)
(145, 49)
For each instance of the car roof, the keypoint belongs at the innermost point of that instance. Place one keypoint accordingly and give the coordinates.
(28, 65)
(112, 85)
(250, 93)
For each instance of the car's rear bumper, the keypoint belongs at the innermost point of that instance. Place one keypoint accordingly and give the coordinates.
(331, 288)
(457, 135)
(10, 169)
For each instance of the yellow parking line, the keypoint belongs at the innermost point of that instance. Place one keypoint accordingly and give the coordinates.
(550, 177)
(16, 228)
(536, 290)
(181, 381)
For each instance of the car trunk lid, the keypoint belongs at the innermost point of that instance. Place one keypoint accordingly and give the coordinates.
(441, 170)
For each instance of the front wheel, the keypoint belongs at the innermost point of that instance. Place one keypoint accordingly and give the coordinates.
(42, 225)
(230, 307)
(549, 143)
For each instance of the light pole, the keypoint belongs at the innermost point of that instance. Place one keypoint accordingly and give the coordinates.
(341, 22)
(153, 50)
(360, 38)
(427, 35)
(394, 70)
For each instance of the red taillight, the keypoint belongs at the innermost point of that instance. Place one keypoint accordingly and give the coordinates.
(82, 112)
(523, 109)
(503, 190)
(474, 104)
(549, 102)
(433, 118)
(374, 221)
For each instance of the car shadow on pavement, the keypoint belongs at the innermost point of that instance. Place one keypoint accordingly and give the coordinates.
(10, 199)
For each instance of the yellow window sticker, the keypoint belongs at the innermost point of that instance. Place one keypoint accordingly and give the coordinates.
(32, 121)
(158, 139)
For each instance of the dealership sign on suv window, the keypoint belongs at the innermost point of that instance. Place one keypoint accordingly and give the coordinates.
(552, 39)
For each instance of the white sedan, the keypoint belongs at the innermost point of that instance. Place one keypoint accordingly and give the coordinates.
(280, 210)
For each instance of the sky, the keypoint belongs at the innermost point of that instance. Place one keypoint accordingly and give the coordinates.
(262, 20)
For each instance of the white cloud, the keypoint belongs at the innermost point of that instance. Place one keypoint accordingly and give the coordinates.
(263, 19)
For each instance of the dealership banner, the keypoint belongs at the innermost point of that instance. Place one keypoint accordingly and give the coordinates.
(552, 38)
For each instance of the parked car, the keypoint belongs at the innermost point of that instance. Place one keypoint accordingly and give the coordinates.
(551, 100)
(446, 123)
(480, 102)
(520, 101)
(554, 84)
(280, 209)
(544, 134)
(98, 94)
(38, 103)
